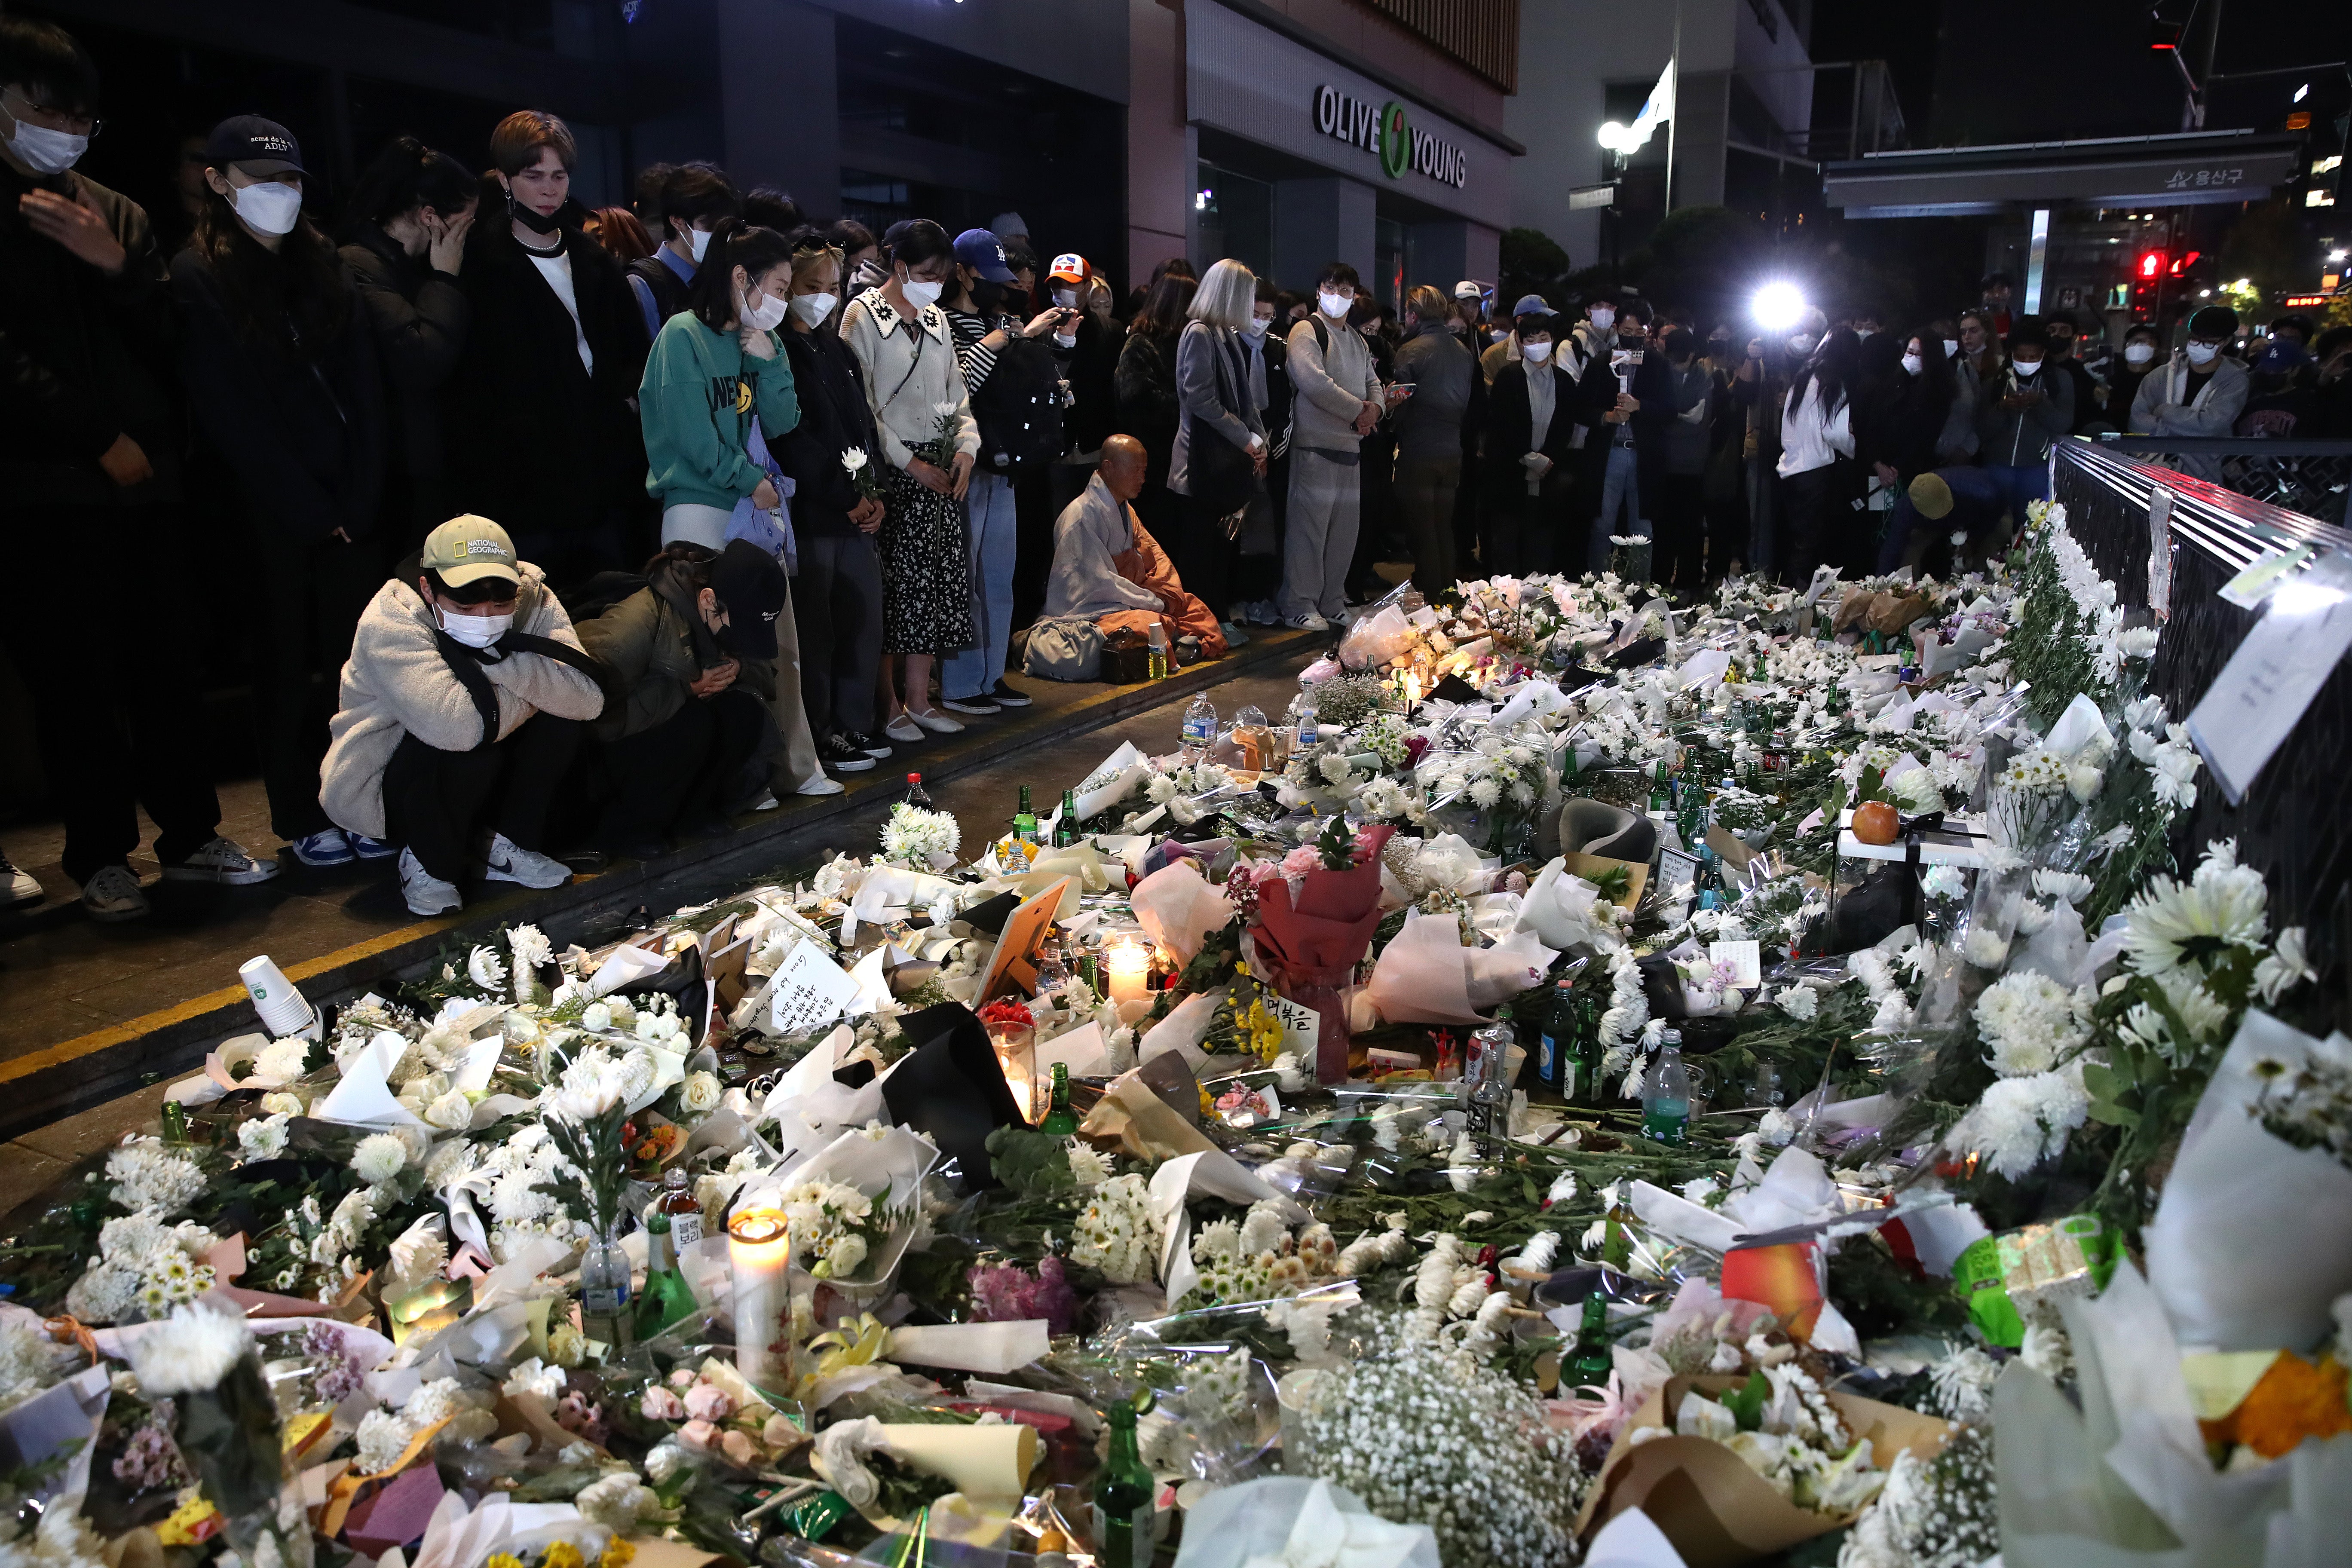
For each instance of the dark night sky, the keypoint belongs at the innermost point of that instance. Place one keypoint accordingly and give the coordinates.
(2022, 70)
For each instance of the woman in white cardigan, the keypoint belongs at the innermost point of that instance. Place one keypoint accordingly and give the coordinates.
(904, 345)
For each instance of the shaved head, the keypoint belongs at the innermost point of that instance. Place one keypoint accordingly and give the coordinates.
(1123, 464)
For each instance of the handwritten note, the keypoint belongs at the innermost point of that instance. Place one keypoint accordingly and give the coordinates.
(809, 991)
(1302, 1026)
(1746, 958)
(2262, 694)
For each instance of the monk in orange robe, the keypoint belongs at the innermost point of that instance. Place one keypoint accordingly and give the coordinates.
(1108, 569)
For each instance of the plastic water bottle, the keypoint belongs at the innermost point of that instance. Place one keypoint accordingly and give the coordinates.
(1200, 726)
(1487, 1101)
(1666, 1094)
(1306, 712)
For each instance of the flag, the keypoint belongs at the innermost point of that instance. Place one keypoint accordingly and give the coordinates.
(1654, 112)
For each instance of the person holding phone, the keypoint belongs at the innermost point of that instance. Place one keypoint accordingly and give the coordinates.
(1625, 397)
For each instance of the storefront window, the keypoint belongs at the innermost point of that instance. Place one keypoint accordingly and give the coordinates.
(1392, 261)
(1233, 216)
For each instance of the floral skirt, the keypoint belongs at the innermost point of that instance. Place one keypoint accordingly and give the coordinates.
(926, 569)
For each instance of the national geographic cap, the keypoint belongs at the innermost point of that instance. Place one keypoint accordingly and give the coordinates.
(467, 548)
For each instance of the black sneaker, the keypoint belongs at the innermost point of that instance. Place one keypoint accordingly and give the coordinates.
(872, 745)
(842, 754)
(1004, 696)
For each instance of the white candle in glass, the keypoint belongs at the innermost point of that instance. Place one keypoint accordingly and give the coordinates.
(1128, 965)
(759, 1253)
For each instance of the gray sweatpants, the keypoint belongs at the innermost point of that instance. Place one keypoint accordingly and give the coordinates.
(1319, 538)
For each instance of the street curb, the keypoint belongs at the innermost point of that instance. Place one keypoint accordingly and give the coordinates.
(42, 1086)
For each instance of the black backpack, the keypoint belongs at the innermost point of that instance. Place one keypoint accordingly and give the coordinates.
(1019, 408)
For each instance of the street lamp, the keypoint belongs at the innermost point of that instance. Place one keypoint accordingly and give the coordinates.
(1777, 307)
(1613, 136)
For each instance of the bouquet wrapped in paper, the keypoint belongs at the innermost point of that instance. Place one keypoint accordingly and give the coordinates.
(1426, 976)
(1312, 933)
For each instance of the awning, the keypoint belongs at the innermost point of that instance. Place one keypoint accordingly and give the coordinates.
(2185, 170)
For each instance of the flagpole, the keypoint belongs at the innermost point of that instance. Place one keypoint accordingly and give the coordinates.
(1674, 64)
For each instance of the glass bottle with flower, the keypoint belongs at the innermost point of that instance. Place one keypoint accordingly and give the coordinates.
(1013, 1035)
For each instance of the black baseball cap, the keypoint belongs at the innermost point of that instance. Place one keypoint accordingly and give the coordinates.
(752, 589)
(251, 139)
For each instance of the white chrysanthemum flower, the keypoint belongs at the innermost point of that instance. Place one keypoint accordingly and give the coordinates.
(2173, 923)
(616, 1501)
(486, 969)
(530, 947)
(188, 1352)
(264, 1138)
(2020, 1122)
(379, 1158)
(281, 1061)
(2030, 1023)
(147, 1176)
(2285, 967)
(1799, 1001)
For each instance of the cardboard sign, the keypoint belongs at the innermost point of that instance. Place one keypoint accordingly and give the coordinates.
(809, 991)
(1012, 964)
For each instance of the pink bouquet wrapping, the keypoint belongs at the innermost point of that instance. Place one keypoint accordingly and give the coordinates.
(1313, 932)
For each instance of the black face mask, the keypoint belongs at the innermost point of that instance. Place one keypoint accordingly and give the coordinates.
(530, 217)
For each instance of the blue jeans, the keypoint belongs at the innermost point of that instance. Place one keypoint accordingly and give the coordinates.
(1621, 490)
(975, 671)
(2018, 486)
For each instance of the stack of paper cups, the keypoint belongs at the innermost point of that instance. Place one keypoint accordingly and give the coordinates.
(283, 1010)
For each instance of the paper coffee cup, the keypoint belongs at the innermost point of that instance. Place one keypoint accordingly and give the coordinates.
(283, 1009)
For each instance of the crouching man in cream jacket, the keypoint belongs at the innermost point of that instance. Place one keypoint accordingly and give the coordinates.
(462, 707)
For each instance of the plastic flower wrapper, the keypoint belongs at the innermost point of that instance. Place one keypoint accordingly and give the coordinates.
(204, 1361)
(1178, 907)
(2252, 1240)
(1311, 940)
(1425, 975)
(2126, 1479)
(1292, 1522)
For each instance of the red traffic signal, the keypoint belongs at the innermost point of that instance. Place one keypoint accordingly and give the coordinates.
(2163, 35)
(2181, 267)
(2151, 264)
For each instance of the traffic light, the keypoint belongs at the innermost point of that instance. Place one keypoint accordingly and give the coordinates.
(2163, 35)
(2151, 264)
(2181, 265)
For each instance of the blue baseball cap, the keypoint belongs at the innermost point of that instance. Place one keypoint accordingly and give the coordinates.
(1531, 305)
(985, 254)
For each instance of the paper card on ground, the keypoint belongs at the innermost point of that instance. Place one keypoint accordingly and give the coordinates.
(1079, 1050)
(2262, 693)
(809, 991)
(1302, 1026)
(1746, 959)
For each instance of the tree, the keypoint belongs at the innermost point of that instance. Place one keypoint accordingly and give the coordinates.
(1698, 260)
(2269, 249)
(1533, 263)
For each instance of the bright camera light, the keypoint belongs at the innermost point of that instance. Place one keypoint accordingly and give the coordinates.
(1612, 135)
(1777, 307)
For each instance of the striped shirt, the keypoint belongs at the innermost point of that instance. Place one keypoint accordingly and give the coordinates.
(969, 327)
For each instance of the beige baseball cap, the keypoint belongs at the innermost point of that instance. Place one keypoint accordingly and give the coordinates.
(467, 548)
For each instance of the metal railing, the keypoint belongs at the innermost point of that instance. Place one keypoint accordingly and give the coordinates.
(2293, 824)
(2307, 477)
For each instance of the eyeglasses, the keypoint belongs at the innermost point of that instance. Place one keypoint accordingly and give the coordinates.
(67, 119)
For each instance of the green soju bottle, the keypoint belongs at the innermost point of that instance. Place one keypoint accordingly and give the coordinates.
(1025, 821)
(1066, 826)
(1060, 1121)
(1588, 1364)
(1123, 1493)
(666, 1299)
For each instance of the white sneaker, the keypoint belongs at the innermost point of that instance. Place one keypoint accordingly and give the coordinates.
(511, 862)
(17, 886)
(822, 784)
(903, 728)
(222, 861)
(767, 801)
(1235, 637)
(425, 893)
(1308, 621)
(113, 894)
(937, 723)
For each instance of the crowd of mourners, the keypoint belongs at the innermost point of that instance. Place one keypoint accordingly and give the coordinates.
(574, 533)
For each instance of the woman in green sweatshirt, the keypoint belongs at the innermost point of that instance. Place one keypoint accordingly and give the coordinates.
(717, 387)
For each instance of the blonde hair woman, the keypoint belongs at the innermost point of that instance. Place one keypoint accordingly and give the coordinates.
(1218, 464)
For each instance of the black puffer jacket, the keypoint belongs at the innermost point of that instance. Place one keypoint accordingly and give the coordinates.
(84, 358)
(834, 418)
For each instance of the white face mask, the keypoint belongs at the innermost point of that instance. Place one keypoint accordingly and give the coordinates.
(922, 296)
(269, 206)
(1861, 333)
(44, 151)
(2138, 354)
(813, 308)
(1066, 297)
(1499, 333)
(1335, 305)
(1914, 363)
(475, 631)
(1951, 348)
(2202, 354)
(697, 241)
(1603, 318)
(1801, 343)
(1535, 353)
(764, 315)
(2027, 369)
(1256, 326)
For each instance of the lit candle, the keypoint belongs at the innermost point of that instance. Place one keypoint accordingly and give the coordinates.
(759, 1252)
(1016, 1058)
(1129, 963)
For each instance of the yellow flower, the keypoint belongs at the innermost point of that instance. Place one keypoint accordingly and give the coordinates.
(502, 1560)
(562, 1554)
(617, 1554)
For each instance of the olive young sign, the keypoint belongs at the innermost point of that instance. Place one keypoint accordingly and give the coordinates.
(1387, 131)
